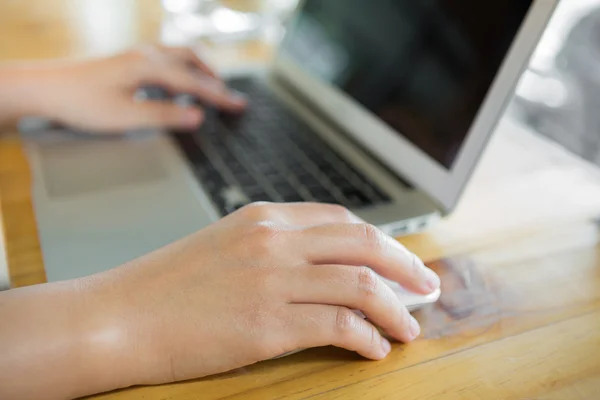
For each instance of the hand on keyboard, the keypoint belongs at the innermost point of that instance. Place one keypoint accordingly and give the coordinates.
(103, 95)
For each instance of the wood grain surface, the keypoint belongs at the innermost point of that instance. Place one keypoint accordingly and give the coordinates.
(519, 258)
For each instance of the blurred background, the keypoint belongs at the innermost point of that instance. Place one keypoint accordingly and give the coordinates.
(558, 96)
(82, 28)
(226, 20)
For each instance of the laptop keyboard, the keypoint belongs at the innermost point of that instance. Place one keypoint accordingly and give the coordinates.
(268, 154)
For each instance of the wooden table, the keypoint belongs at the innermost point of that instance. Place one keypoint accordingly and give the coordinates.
(520, 257)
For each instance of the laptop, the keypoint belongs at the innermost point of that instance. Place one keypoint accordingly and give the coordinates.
(384, 106)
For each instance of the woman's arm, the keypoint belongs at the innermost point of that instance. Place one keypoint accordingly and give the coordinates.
(98, 94)
(20, 91)
(58, 342)
(264, 281)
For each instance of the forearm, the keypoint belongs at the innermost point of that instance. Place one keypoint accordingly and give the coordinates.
(24, 90)
(58, 342)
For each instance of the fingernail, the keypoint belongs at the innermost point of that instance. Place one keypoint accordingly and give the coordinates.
(415, 329)
(386, 346)
(432, 280)
(191, 118)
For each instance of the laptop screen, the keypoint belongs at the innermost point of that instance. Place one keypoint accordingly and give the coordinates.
(422, 66)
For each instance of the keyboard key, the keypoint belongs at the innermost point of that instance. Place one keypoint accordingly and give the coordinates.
(260, 197)
(293, 198)
(188, 145)
(356, 197)
(310, 182)
(245, 179)
(284, 189)
(324, 196)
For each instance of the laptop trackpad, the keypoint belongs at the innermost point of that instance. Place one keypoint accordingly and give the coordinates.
(84, 167)
(102, 202)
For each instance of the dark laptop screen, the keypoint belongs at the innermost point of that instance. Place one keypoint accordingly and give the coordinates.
(422, 66)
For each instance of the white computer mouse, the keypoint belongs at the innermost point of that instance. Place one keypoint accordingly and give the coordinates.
(412, 301)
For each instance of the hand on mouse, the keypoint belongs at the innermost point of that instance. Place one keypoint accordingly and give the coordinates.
(266, 280)
(263, 281)
(99, 94)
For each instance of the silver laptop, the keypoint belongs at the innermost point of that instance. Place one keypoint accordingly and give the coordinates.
(383, 106)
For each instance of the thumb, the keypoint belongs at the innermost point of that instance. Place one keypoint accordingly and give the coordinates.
(164, 115)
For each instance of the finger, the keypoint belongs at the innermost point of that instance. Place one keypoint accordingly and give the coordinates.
(357, 288)
(300, 214)
(316, 325)
(158, 115)
(178, 79)
(364, 244)
(188, 55)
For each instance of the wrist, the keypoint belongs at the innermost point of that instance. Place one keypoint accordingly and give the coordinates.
(129, 336)
(65, 336)
(105, 339)
(25, 91)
